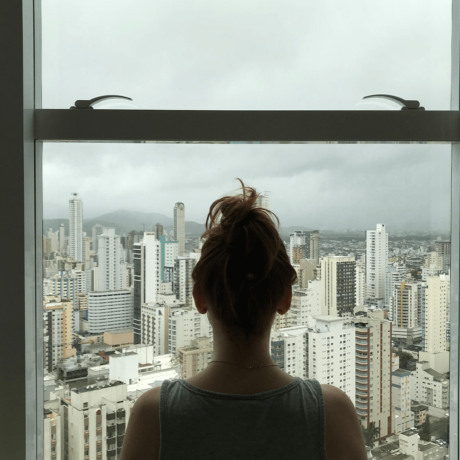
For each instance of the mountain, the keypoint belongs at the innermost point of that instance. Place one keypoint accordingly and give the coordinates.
(124, 222)
(132, 220)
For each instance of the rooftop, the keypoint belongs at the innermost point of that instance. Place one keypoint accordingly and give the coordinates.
(97, 387)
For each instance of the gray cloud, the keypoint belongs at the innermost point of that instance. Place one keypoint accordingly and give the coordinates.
(324, 186)
(291, 55)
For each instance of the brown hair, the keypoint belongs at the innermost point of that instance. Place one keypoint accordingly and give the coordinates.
(244, 271)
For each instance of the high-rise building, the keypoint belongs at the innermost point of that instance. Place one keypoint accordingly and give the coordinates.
(434, 314)
(110, 310)
(158, 230)
(179, 226)
(376, 263)
(338, 285)
(62, 245)
(400, 387)
(147, 261)
(406, 305)
(314, 246)
(305, 303)
(169, 253)
(54, 240)
(96, 231)
(112, 271)
(263, 200)
(360, 272)
(331, 353)
(46, 247)
(443, 249)
(299, 247)
(57, 330)
(395, 274)
(307, 272)
(304, 245)
(183, 283)
(374, 372)
(76, 228)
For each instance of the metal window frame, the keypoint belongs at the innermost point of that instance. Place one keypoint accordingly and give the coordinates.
(24, 125)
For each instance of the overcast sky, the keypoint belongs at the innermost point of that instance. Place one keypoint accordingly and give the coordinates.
(253, 54)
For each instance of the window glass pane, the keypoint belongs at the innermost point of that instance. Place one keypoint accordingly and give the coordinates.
(367, 229)
(258, 55)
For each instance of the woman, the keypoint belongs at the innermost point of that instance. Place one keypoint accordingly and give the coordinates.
(242, 405)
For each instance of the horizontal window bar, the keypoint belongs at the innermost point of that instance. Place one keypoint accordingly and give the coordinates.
(246, 126)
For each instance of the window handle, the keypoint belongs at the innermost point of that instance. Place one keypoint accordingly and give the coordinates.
(405, 105)
(88, 104)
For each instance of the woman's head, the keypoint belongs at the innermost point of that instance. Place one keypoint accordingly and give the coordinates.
(244, 271)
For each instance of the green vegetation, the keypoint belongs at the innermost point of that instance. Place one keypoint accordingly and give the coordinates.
(370, 434)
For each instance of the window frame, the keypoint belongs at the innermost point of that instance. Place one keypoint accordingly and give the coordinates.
(25, 126)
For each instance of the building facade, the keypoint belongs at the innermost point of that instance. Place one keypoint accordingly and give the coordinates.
(179, 226)
(76, 228)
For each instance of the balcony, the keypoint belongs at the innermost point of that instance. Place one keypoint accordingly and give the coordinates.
(111, 454)
(110, 416)
(98, 443)
(99, 455)
(53, 442)
(86, 446)
(98, 430)
(53, 454)
(361, 405)
(111, 446)
(121, 413)
(361, 412)
(86, 434)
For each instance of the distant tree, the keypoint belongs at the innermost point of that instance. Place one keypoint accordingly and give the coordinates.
(370, 434)
(425, 432)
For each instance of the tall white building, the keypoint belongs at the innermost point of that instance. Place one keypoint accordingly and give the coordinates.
(112, 270)
(62, 243)
(179, 226)
(395, 274)
(263, 200)
(360, 296)
(96, 231)
(306, 303)
(434, 314)
(54, 240)
(331, 353)
(338, 285)
(147, 279)
(400, 387)
(298, 241)
(110, 310)
(183, 283)
(376, 263)
(75, 249)
(169, 253)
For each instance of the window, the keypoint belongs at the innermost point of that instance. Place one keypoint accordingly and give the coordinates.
(336, 121)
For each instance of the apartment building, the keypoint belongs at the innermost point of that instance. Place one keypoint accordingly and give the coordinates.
(338, 285)
(376, 263)
(403, 417)
(147, 279)
(431, 388)
(194, 358)
(110, 310)
(374, 371)
(57, 331)
(331, 353)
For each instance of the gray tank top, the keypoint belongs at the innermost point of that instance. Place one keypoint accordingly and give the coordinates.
(286, 423)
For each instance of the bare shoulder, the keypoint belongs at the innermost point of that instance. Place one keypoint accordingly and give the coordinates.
(142, 438)
(342, 431)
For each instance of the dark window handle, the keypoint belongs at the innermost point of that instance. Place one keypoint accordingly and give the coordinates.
(405, 105)
(88, 104)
